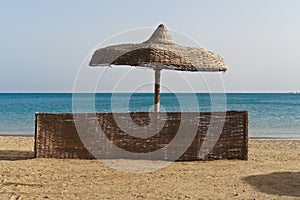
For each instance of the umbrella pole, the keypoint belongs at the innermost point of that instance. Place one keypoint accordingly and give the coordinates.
(157, 90)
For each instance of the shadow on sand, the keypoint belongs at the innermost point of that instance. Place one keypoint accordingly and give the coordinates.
(279, 183)
(16, 155)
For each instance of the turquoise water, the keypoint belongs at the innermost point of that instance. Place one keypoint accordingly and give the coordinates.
(270, 115)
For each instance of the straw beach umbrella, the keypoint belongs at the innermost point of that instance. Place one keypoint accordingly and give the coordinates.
(159, 52)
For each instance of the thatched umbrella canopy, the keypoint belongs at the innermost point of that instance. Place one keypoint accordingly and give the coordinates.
(159, 52)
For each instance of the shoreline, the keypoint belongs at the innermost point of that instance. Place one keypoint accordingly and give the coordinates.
(250, 138)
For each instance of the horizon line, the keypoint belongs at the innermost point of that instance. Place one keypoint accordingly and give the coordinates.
(143, 92)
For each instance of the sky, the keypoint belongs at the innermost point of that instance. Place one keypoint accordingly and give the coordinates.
(44, 44)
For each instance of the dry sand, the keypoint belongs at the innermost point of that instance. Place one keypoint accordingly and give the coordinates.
(272, 172)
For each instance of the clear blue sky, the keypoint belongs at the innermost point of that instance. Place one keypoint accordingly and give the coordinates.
(43, 43)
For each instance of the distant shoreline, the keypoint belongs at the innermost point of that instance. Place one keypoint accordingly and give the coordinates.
(199, 92)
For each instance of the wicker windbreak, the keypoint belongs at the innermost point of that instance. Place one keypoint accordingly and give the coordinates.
(57, 136)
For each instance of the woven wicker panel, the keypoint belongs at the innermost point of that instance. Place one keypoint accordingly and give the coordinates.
(57, 136)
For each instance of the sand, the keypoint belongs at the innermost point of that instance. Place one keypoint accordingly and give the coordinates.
(272, 172)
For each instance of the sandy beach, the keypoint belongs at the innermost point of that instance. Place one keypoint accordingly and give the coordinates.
(272, 172)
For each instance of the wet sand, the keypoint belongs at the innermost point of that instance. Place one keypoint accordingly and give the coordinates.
(272, 172)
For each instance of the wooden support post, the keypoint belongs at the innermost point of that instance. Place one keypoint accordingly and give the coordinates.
(157, 90)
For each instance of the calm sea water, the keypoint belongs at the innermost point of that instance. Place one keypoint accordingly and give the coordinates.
(270, 115)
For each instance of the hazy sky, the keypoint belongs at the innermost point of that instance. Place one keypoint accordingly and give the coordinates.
(43, 43)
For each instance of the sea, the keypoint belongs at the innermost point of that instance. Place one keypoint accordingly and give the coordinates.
(271, 115)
